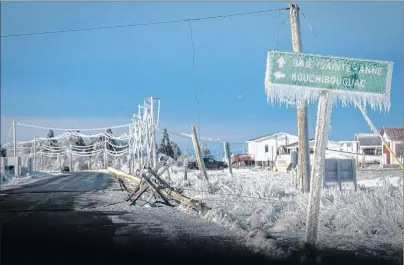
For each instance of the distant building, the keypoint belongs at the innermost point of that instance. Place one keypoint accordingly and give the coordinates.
(369, 143)
(264, 148)
(394, 136)
(332, 145)
(295, 146)
(349, 146)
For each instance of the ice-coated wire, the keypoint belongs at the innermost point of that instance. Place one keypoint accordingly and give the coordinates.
(65, 129)
(249, 49)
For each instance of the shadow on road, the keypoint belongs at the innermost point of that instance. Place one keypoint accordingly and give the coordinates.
(53, 233)
(87, 238)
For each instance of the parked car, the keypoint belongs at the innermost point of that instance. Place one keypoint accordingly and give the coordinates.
(65, 169)
(210, 163)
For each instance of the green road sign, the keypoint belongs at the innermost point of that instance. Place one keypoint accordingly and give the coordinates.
(329, 73)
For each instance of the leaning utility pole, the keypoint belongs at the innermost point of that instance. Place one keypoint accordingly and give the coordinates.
(302, 128)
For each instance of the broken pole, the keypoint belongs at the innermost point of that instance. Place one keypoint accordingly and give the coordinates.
(228, 157)
(199, 159)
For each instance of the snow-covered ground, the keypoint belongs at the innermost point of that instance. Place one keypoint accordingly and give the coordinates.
(35, 176)
(265, 208)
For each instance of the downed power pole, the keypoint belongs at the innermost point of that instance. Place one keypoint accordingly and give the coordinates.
(150, 179)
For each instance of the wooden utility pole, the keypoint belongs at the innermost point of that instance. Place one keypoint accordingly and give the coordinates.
(70, 154)
(105, 152)
(140, 152)
(154, 154)
(357, 150)
(34, 153)
(153, 131)
(15, 138)
(199, 158)
(227, 156)
(302, 128)
(41, 157)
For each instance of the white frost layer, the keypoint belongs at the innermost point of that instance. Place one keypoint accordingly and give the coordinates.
(255, 203)
(259, 203)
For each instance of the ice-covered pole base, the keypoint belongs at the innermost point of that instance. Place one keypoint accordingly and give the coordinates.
(316, 181)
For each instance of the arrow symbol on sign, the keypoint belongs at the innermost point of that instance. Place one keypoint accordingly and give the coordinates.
(281, 62)
(279, 75)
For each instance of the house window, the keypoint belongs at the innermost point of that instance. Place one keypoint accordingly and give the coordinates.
(266, 148)
(369, 151)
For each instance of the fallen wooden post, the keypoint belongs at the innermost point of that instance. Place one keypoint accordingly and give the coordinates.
(157, 189)
(185, 165)
(133, 193)
(138, 195)
(124, 175)
(167, 192)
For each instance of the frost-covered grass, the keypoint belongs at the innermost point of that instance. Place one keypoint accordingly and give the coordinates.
(258, 203)
(266, 208)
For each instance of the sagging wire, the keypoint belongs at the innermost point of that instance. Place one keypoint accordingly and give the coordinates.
(8, 136)
(65, 129)
(311, 29)
(250, 50)
(194, 78)
(139, 24)
(277, 31)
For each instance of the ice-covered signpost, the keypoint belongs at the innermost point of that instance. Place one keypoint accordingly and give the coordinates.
(291, 77)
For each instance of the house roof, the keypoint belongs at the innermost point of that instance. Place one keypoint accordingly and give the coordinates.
(293, 145)
(311, 144)
(269, 136)
(368, 139)
(394, 133)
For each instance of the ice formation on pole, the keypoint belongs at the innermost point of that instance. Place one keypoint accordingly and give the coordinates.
(130, 150)
(291, 94)
(316, 180)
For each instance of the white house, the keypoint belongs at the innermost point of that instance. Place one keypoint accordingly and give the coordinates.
(394, 136)
(331, 145)
(369, 143)
(294, 146)
(349, 146)
(264, 148)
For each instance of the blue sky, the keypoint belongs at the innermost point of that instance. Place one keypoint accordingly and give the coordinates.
(105, 74)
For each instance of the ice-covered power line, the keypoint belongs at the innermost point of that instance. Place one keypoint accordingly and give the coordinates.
(140, 24)
(193, 70)
(249, 48)
(65, 129)
(312, 30)
(308, 24)
(214, 140)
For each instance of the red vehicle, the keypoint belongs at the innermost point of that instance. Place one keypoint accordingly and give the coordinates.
(246, 158)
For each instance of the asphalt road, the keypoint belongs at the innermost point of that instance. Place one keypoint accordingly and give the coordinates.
(40, 224)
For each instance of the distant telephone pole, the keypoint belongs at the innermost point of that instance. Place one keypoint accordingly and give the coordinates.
(15, 138)
(153, 129)
(302, 128)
